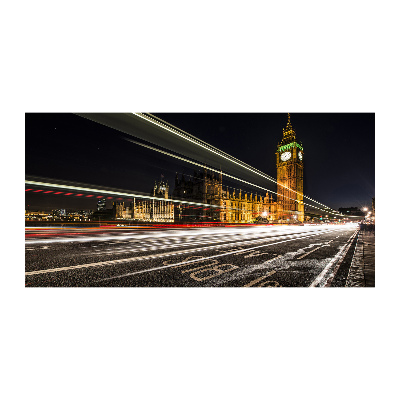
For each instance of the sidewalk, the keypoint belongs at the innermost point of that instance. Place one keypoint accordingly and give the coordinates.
(362, 270)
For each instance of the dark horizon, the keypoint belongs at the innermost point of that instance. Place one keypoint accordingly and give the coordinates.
(339, 167)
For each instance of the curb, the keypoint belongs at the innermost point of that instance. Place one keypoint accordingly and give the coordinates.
(355, 277)
(325, 278)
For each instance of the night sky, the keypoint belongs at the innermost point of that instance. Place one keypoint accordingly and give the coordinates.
(339, 153)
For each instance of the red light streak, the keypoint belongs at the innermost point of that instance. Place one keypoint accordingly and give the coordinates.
(49, 191)
(99, 197)
(109, 197)
(89, 195)
(79, 194)
(68, 194)
(111, 226)
(26, 190)
(40, 190)
(58, 192)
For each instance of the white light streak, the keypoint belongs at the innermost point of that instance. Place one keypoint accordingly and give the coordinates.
(184, 135)
(125, 194)
(222, 173)
(206, 258)
(292, 233)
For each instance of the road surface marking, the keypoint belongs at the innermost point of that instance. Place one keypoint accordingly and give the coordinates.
(186, 259)
(216, 268)
(337, 259)
(320, 247)
(215, 262)
(132, 259)
(205, 258)
(306, 254)
(252, 283)
(270, 284)
(255, 254)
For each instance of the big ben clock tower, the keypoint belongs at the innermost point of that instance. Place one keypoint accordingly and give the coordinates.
(289, 164)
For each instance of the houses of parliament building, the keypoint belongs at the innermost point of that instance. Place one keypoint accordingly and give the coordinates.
(218, 204)
(232, 206)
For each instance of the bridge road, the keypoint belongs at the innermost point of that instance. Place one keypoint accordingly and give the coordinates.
(248, 256)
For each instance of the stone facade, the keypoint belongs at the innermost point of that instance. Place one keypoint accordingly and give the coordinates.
(147, 210)
(225, 206)
(232, 206)
(289, 164)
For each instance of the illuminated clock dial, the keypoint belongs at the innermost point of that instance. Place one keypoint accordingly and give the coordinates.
(286, 155)
(300, 155)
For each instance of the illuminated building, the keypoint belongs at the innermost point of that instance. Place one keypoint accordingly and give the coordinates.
(160, 189)
(161, 210)
(236, 207)
(147, 210)
(37, 215)
(231, 207)
(118, 209)
(289, 164)
(101, 205)
(203, 187)
(59, 213)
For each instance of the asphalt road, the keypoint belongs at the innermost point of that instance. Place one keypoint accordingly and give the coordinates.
(248, 256)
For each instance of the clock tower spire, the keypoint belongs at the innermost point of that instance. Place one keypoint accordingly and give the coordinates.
(289, 164)
(289, 134)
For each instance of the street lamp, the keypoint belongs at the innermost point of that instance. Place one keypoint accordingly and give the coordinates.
(365, 209)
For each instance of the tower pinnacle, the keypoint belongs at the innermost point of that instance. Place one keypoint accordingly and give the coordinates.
(289, 132)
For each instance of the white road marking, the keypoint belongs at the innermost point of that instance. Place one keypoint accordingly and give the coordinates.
(312, 251)
(132, 259)
(205, 258)
(306, 254)
(319, 280)
(320, 247)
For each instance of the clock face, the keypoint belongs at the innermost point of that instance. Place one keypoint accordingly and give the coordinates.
(286, 155)
(300, 155)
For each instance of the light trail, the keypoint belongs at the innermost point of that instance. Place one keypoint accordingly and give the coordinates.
(205, 258)
(184, 135)
(187, 136)
(289, 237)
(115, 193)
(177, 234)
(224, 174)
(142, 196)
(175, 139)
